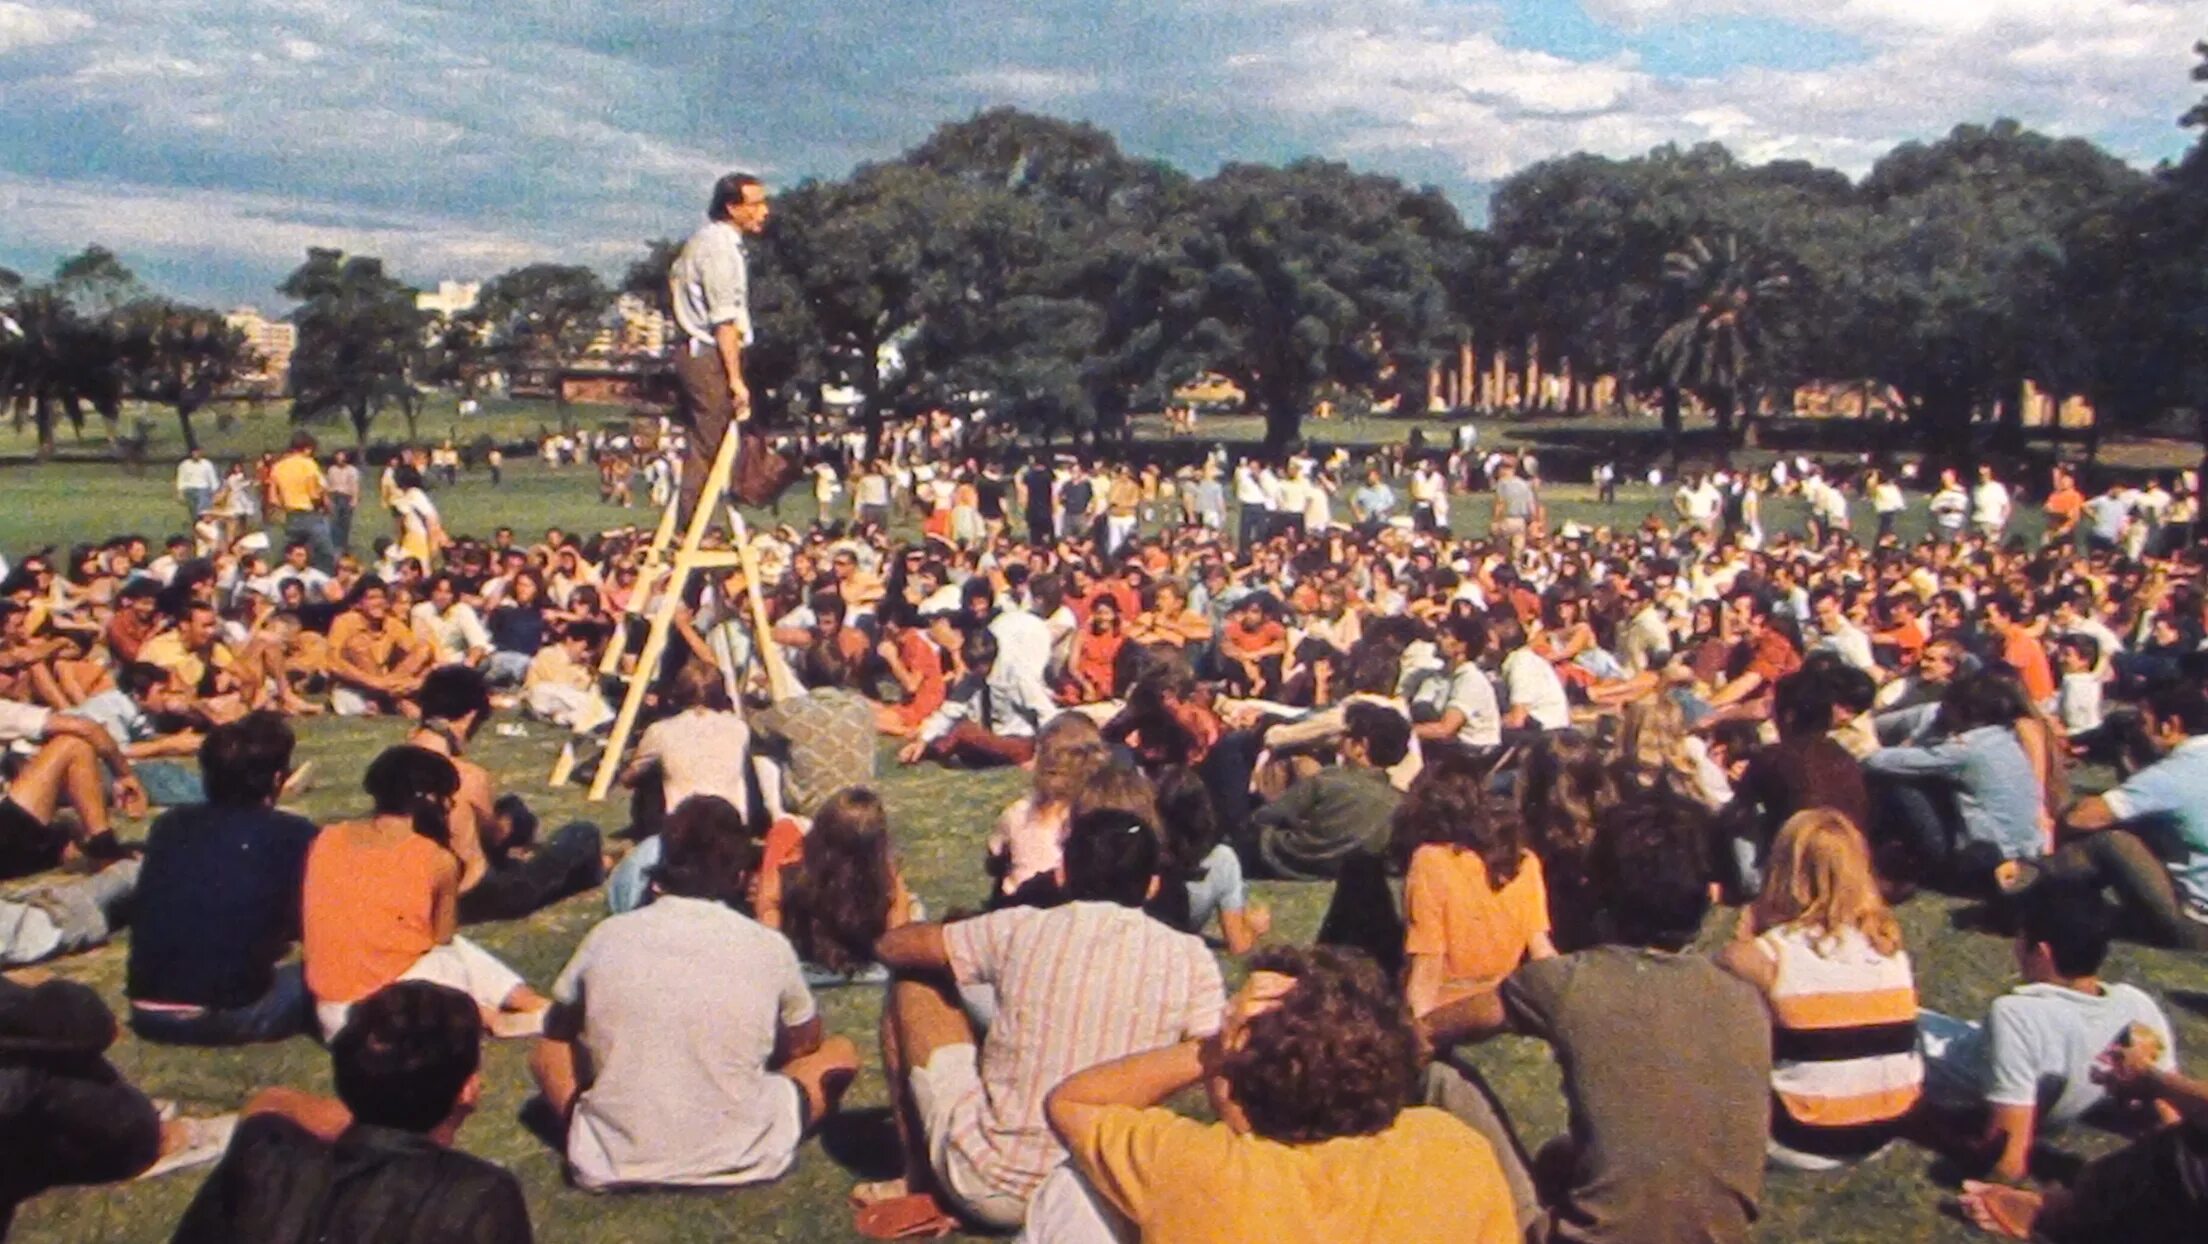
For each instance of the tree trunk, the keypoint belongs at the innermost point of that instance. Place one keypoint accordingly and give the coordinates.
(1283, 422)
(1671, 424)
(184, 424)
(42, 415)
(2009, 413)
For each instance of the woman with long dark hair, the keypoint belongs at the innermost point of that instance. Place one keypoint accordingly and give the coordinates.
(842, 893)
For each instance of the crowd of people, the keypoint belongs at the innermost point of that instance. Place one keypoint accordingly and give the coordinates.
(1530, 757)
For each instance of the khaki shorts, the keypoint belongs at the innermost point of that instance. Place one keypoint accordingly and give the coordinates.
(953, 1075)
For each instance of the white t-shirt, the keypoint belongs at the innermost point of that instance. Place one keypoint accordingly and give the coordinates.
(682, 1002)
(1473, 695)
(1530, 683)
(700, 752)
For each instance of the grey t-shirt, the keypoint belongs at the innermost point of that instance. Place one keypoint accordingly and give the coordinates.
(1516, 496)
(681, 1002)
(1667, 1067)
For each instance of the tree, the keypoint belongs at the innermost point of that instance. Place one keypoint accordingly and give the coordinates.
(182, 356)
(63, 346)
(1288, 279)
(542, 315)
(1961, 272)
(360, 335)
(646, 277)
(1714, 343)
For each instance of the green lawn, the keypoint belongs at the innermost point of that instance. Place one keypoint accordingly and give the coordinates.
(940, 819)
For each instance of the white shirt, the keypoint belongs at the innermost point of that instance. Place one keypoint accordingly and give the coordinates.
(699, 752)
(1989, 504)
(454, 633)
(1247, 489)
(1473, 695)
(682, 1002)
(710, 283)
(197, 473)
(1023, 652)
(1531, 683)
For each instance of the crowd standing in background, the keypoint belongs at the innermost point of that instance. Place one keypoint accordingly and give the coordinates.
(1528, 755)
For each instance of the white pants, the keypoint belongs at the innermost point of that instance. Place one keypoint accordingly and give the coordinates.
(459, 964)
(578, 710)
(1066, 1210)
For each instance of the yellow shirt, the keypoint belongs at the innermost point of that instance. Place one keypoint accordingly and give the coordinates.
(168, 652)
(296, 483)
(1428, 1177)
(1454, 911)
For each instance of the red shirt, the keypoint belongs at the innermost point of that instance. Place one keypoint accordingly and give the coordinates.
(922, 658)
(1096, 656)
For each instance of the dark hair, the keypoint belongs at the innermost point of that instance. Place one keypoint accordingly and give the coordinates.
(2084, 645)
(1447, 805)
(406, 1053)
(241, 763)
(414, 782)
(979, 649)
(2070, 920)
(729, 192)
(1383, 731)
(837, 905)
(451, 692)
(1338, 1055)
(1187, 822)
(1650, 867)
(2181, 702)
(521, 823)
(705, 852)
(1111, 856)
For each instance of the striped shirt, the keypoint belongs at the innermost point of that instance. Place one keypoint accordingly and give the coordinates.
(1076, 986)
(1844, 1061)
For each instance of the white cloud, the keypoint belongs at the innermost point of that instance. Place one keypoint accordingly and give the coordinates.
(1021, 84)
(1442, 82)
(29, 26)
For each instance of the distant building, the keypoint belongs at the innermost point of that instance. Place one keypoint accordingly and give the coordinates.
(272, 343)
(451, 300)
(637, 328)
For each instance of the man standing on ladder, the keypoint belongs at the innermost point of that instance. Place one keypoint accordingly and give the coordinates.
(709, 284)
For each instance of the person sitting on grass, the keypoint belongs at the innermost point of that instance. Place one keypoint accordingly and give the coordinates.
(218, 900)
(1339, 812)
(67, 1116)
(376, 660)
(1826, 952)
(683, 1048)
(2147, 840)
(2028, 1069)
(1074, 986)
(378, 1163)
(381, 902)
(69, 768)
(1206, 865)
(561, 686)
(834, 889)
(1666, 1056)
(989, 719)
(505, 873)
(2152, 1191)
(1314, 1080)
(1475, 903)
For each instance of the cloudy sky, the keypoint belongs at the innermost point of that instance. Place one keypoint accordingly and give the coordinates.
(211, 141)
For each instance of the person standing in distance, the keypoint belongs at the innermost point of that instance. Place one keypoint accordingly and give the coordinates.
(709, 285)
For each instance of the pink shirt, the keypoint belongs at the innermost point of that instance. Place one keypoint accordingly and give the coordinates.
(1031, 840)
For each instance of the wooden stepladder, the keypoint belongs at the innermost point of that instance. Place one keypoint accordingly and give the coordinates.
(670, 569)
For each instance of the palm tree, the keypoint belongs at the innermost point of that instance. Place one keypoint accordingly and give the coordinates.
(1714, 343)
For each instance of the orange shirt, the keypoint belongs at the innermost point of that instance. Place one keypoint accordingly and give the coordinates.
(1771, 657)
(2064, 505)
(366, 910)
(2028, 658)
(373, 647)
(1480, 932)
(295, 483)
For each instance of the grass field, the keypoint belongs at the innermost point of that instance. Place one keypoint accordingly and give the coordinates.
(940, 819)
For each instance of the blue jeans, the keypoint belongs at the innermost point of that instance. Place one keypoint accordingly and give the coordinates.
(507, 669)
(314, 528)
(284, 1011)
(341, 521)
(199, 501)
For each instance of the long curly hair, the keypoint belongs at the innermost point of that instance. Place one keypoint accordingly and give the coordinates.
(1338, 1056)
(837, 906)
(1566, 780)
(1447, 805)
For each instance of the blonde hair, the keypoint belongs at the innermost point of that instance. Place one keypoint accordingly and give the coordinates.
(1652, 738)
(1820, 876)
(1069, 751)
(1117, 788)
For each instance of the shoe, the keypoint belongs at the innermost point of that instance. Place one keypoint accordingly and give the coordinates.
(203, 1141)
(2013, 877)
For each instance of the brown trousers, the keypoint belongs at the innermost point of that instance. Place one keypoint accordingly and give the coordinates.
(705, 410)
